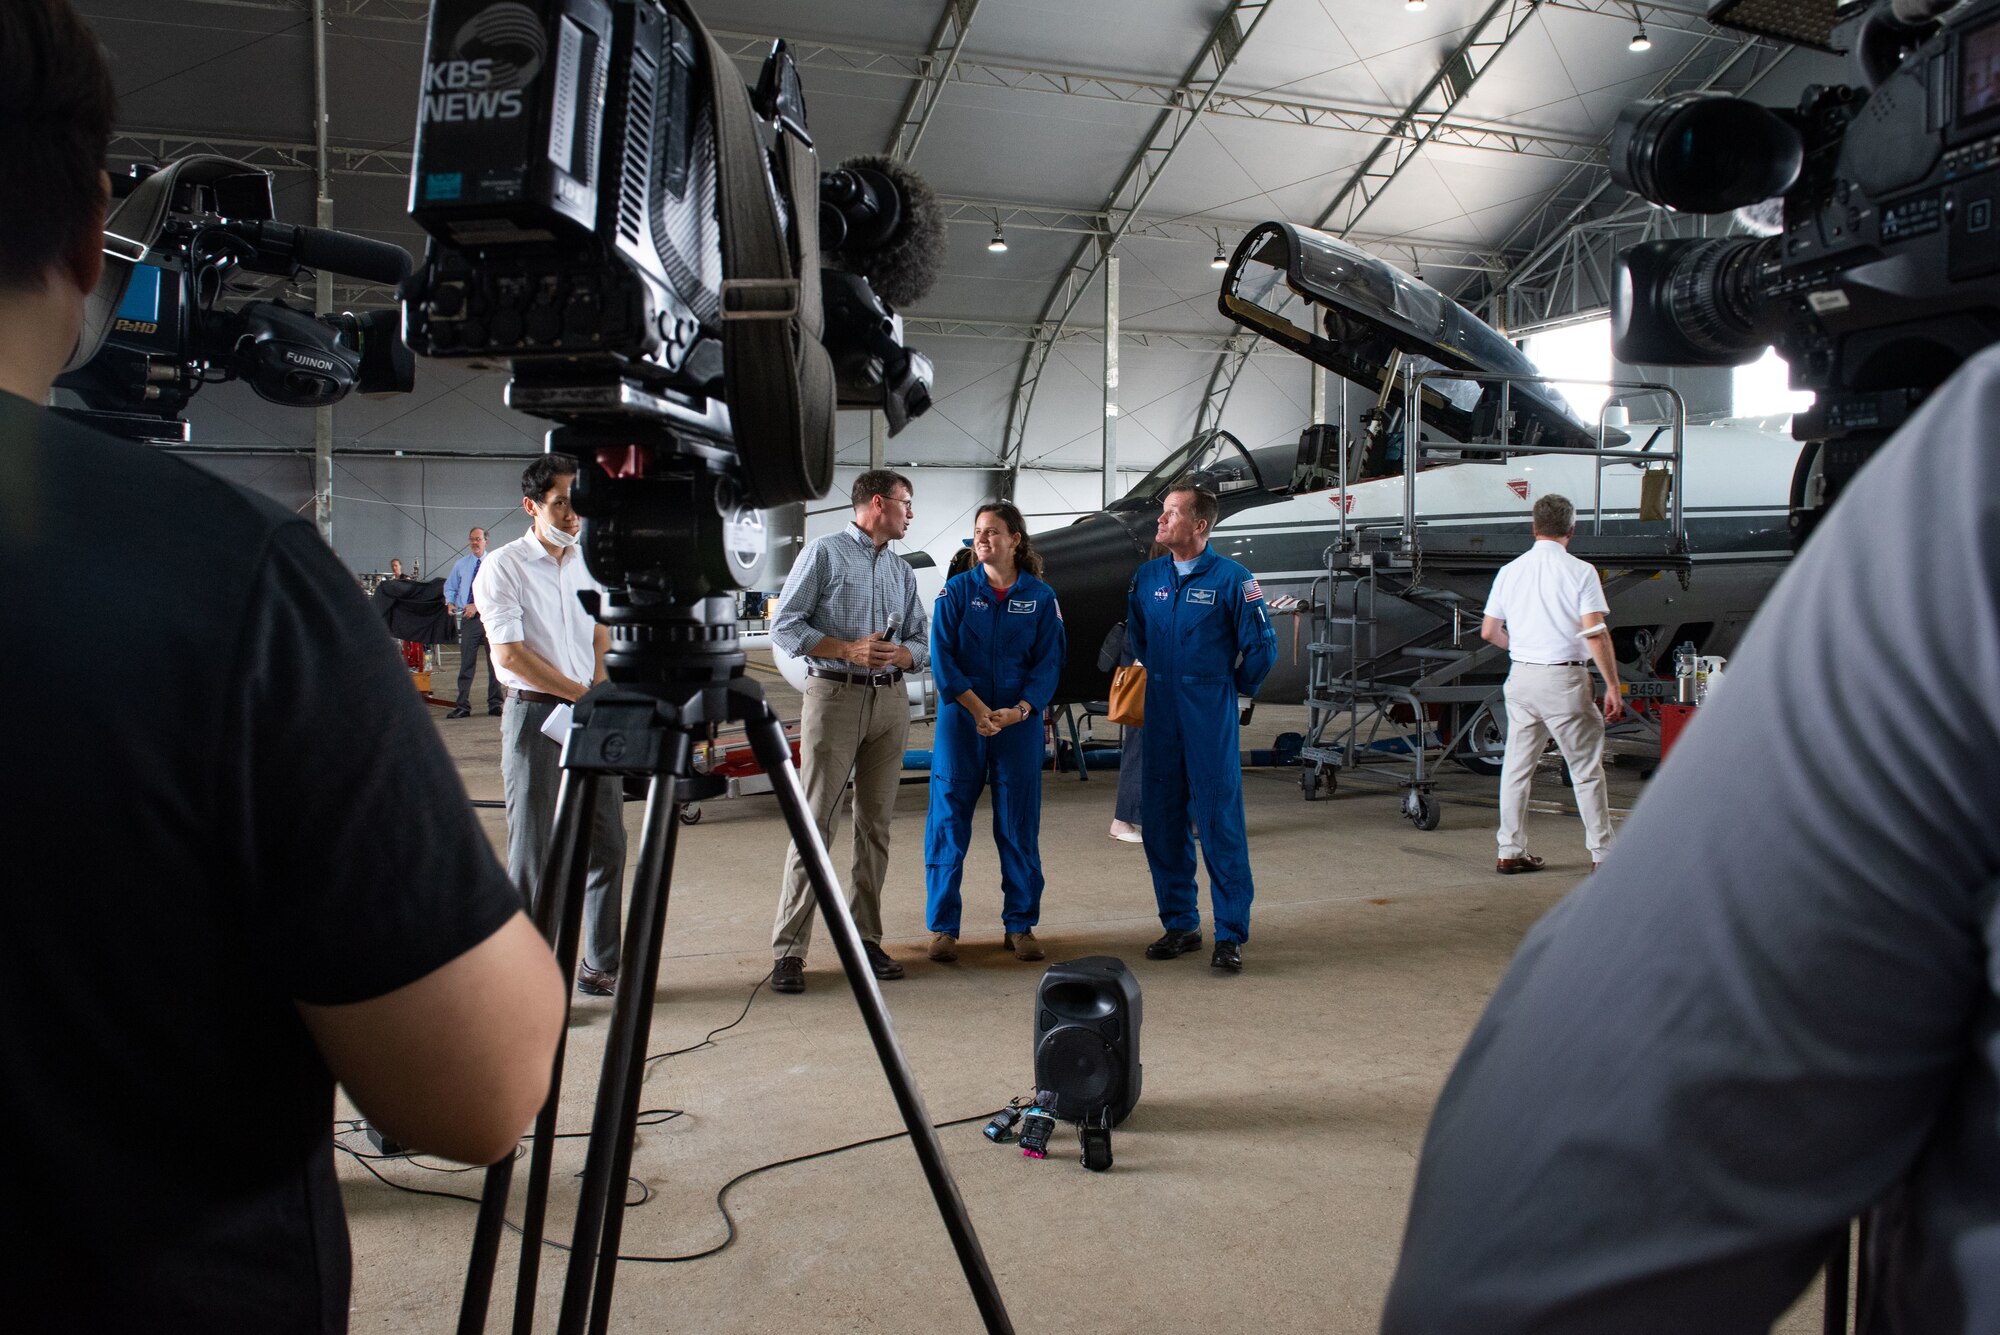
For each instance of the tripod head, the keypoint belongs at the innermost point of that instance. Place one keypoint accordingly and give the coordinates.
(669, 534)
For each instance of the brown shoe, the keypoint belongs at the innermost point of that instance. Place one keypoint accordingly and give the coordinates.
(1024, 945)
(878, 960)
(944, 947)
(789, 974)
(596, 982)
(1527, 862)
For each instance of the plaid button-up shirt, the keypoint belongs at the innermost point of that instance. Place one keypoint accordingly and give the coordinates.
(846, 588)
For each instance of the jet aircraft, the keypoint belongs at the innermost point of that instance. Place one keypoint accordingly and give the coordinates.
(1453, 513)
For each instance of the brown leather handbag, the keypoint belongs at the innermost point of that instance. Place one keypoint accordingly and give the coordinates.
(1128, 696)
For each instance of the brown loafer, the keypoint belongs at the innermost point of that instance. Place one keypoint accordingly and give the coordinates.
(944, 947)
(789, 974)
(1516, 866)
(878, 960)
(1024, 945)
(596, 982)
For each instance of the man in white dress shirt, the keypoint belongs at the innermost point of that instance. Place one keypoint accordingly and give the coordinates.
(1547, 610)
(548, 651)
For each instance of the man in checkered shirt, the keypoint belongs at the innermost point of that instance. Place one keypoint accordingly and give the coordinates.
(850, 609)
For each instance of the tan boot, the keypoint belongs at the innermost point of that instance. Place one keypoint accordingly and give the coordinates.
(1024, 945)
(944, 947)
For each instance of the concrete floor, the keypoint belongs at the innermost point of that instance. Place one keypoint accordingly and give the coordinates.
(1260, 1184)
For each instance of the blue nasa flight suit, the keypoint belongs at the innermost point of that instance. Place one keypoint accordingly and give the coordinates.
(1204, 638)
(1004, 650)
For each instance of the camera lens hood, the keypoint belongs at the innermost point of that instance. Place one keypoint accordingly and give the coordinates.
(1704, 152)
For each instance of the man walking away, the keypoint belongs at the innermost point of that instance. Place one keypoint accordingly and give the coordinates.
(850, 609)
(549, 651)
(471, 630)
(1547, 610)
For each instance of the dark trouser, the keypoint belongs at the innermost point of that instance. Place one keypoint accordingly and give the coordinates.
(471, 639)
(530, 770)
(1131, 751)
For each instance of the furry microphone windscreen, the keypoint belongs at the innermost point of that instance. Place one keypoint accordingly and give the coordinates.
(904, 269)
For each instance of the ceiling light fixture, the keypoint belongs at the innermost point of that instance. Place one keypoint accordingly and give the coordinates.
(998, 245)
(1640, 42)
(1221, 260)
(1413, 6)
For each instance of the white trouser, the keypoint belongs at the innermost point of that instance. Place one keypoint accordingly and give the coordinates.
(1553, 700)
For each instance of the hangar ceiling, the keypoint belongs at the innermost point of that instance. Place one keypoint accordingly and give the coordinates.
(1465, 142)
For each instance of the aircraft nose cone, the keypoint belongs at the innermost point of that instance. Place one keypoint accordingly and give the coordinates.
(1090, 565)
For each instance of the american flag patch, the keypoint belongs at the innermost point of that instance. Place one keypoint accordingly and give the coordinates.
(1251, 593)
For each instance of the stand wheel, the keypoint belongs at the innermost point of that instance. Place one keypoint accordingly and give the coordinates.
(1422, 810)
(1309, 783)
(691, 814)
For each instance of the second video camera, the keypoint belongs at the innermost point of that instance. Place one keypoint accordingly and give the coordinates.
(1885, 273)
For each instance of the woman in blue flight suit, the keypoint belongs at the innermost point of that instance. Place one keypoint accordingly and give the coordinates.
(996, 653)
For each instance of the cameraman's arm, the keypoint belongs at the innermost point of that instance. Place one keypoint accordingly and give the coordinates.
(457, 1062)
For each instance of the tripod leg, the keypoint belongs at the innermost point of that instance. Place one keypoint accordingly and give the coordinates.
(560, 888)
(624, 1057)
(568, 913)
(635, 1071)
(767, 739)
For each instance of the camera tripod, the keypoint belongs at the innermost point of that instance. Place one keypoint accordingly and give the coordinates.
(675, 670)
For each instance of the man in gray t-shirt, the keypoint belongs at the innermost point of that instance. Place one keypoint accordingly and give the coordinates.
(1778, 1006)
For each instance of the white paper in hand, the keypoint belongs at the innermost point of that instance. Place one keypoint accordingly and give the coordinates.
(556, 726)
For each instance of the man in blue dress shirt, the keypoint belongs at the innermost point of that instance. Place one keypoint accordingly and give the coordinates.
(1198, 624)
(471, 629)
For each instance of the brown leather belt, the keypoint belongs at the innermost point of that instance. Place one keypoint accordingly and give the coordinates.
(889, 678)
(538, 697)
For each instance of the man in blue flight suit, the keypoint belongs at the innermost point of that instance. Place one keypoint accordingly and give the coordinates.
(1197, 622)
(996, 652)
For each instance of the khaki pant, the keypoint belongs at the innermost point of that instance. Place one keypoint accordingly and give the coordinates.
(862, 729)
(1546, 701)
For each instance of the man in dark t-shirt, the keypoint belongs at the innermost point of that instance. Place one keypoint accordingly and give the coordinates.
(237, 868)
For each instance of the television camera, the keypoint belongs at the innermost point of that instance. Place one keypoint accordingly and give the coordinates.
(156, 327)
(652, 249)
(1883, 274)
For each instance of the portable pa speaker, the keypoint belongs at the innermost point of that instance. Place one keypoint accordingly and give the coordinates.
(1087, 1038)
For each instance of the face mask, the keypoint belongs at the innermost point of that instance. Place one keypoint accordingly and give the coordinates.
(559, 536)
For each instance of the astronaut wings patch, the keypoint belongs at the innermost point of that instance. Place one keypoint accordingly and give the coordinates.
(1251, 593)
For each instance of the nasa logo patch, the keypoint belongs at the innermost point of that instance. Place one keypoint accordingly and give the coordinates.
(980, 604)
(1161, 594)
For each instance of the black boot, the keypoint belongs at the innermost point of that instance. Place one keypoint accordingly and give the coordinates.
(1173, 944)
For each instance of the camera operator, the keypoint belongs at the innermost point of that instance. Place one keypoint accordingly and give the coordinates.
(1778, 1005)
(222, 894)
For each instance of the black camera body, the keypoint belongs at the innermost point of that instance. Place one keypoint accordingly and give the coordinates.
(156, 330)
(580, 169)
(1885, 275)
(566, 165)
